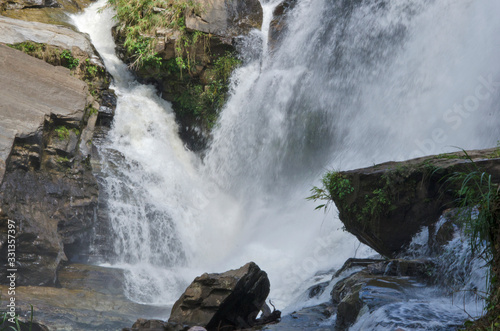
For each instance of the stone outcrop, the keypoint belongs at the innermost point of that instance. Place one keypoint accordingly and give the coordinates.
(226, 18)
(227, 301)
(16, 31)
(43, 11)
(384, 206)
(230, 300)
(47, 187)
(20, 4)
(379, 284)
(279, 24)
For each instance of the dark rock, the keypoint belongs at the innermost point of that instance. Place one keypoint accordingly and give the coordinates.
(317, 290)
(379, 284)
(47, 187)
(278, 26)
(391, 202)
(228, 301)
(353, 263)
(311, 319)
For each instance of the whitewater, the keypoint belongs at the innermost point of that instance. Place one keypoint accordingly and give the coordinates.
(351, 84)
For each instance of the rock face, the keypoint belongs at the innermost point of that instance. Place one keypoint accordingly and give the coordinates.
(228, 301)
(47, 187)
(384, 206)
(16, 31)
(278, 26)
(20, 4)
(226, 18)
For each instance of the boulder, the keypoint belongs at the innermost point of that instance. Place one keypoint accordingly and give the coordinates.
(46, 184)
(226, 18)
(384, 206)
(230, 300)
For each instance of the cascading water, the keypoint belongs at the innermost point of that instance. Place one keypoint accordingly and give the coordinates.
(351, 83)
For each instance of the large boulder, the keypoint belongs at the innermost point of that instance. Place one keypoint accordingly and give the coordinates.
(386, 205)
(226, 18)
(46, 184)
(230, 300)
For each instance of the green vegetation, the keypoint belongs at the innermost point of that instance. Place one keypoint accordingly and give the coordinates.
(478, 201)
(62, 159)
(142, 18)
(335, 184)
(205, 101)
(29, 47)
(193, 78)
(18, 326)
(376, 203)
(68, 61)
(62, 132)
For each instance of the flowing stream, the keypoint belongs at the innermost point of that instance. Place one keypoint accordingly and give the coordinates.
(351, 83)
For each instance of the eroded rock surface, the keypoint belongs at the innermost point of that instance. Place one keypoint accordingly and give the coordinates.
(47, 187)
(384, 206)
(230, 300)
(226, 18)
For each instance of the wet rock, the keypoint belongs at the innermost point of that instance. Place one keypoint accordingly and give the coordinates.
(389, 203)
(377, 285)
(314, 318)
(229, 301)
(278, 26)
(98, 304)
(226, 18)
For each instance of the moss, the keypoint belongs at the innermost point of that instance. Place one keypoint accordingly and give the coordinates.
(62, 132)
(205, 101)
(335, 185)
(141, 19)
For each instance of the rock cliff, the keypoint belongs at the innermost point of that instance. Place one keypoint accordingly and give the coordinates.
(384, 206)
(47, 187)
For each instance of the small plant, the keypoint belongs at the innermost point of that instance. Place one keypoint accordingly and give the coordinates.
(62, 159)
(62, 132)
(68, 60)
(479, 203)
(335, 184)
(141, 18)
(15, 321)
(93, 111)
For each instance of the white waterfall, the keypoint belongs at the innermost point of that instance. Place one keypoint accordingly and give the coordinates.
(352, 83)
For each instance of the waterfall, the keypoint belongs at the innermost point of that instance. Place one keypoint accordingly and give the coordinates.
(352, 83)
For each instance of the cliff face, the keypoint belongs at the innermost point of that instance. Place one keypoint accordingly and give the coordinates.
(384, 206)
(47, 187)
